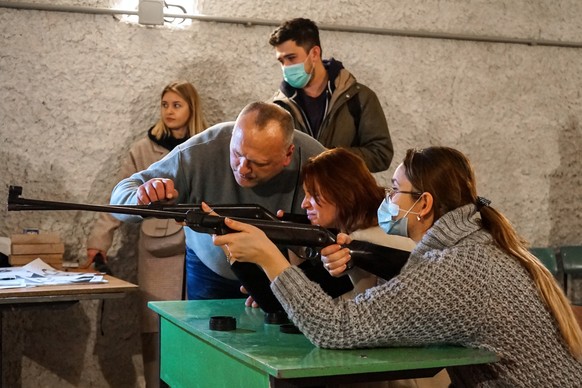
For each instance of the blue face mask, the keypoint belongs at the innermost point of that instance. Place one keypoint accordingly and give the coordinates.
(296, 76)
(387, 211)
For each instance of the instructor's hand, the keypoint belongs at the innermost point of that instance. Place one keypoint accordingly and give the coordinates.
(154, 190)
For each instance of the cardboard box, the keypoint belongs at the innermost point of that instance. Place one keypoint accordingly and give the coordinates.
(32, 249)
(33, 238)
(27, 247)
(49, 258)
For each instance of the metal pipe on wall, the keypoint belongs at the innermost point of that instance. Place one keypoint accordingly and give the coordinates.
(322, 26)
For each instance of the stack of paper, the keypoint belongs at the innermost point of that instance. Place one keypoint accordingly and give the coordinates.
(38, 273)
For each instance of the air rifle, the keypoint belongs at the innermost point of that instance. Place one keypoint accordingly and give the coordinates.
(382, 261)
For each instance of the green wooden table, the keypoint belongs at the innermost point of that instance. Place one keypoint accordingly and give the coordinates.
(260, 355)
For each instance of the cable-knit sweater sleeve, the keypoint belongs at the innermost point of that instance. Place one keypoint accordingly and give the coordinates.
(427, 303)
(457, 288)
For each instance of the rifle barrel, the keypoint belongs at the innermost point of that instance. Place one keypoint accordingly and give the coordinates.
(21, 204)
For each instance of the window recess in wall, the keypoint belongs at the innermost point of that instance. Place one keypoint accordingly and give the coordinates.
(158, 12)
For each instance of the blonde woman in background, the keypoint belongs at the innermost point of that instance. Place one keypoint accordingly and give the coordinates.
(161, 244)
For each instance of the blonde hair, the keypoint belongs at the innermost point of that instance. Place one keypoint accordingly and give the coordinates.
(447, 175)
(196, 122)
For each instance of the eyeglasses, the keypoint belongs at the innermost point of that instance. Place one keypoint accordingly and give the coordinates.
(390, 192)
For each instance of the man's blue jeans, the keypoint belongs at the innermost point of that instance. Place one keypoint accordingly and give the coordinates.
(203, 283)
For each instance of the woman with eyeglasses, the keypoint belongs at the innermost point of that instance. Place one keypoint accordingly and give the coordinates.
(470, 281)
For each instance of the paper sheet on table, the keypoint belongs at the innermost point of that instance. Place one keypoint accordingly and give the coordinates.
(38, 273)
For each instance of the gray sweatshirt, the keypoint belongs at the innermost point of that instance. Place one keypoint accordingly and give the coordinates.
(457, 288)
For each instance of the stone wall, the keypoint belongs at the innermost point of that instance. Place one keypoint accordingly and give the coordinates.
(77, 89)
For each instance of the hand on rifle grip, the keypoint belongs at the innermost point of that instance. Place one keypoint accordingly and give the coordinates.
(336, 258)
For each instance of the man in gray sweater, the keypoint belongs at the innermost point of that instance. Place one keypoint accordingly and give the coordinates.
(255, 160)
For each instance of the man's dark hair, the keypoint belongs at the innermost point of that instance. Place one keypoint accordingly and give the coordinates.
(303, 32)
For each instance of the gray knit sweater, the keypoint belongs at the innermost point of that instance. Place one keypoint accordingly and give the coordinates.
(457, 288)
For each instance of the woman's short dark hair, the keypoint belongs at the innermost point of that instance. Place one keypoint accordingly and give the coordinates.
(343, 179)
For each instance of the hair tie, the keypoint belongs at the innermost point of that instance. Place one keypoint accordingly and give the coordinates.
(481, 201)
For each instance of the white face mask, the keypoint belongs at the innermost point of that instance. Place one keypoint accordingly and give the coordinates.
(387, 211)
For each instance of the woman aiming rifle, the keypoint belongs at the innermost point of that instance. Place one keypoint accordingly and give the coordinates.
(470, 281)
